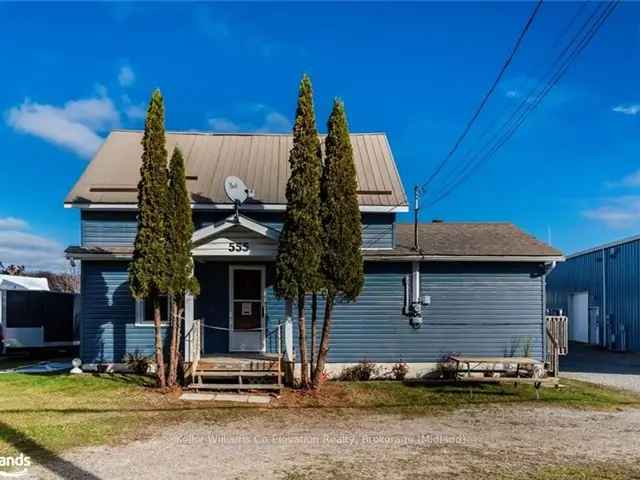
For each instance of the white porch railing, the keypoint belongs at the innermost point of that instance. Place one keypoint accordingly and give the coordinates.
(557, 333)
(193, 345)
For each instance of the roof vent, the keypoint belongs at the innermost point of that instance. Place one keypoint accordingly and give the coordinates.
(437, 220)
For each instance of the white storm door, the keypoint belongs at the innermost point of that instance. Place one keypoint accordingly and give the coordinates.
(246, 308)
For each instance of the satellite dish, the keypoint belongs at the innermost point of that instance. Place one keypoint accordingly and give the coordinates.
(235, 189)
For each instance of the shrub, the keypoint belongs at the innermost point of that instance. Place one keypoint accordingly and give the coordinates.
(447, 367)
(527, 347)
(363, 371)
(137, 362)
(400, 370)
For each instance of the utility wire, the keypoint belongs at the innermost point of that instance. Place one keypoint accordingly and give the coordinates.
(526, 101)
(532, 105)
(488, 94)
(449, 177)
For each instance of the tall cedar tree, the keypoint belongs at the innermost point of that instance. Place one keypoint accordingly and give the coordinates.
(342, 265)
(180, 279)
(147, 272)
(300, 247)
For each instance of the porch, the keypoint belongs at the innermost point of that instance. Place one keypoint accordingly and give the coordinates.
(232, 371)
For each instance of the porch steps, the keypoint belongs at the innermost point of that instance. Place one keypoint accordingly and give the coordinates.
(251, 372)
(222, 374)
(234, 386)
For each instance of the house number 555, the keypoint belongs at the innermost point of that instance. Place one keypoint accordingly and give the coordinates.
(238, 246)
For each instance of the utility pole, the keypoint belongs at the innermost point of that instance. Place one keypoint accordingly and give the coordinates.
(416, 208)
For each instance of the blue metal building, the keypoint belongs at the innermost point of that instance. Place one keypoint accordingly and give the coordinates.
(599, 289)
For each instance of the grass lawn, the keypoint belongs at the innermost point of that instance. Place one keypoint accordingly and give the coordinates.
(41, 415)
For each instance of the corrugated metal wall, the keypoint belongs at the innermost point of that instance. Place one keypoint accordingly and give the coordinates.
(584, 273)
(119, 228)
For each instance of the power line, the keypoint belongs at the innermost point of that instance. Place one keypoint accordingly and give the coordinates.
(488, 94)
(454, 172)
(532, 105)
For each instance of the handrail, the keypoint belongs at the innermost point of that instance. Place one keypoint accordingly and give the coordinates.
(556, 330)
(268, 332)
(194, 344)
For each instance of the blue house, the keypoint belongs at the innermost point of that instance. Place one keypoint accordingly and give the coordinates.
(470, 288)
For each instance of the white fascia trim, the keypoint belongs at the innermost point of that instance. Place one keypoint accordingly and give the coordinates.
(100, 256)
(272, 207)
(443, 258)
(201, 236)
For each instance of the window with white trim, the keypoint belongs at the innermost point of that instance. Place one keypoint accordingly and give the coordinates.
(144, 311)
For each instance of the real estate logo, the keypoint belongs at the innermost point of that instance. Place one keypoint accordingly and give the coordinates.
(13, 467)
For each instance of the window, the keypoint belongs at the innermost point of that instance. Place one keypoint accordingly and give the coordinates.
(144, 311)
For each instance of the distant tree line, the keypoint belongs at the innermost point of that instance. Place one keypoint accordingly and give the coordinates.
(58, 282)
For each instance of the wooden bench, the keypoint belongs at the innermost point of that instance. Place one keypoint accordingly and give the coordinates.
(465, 367)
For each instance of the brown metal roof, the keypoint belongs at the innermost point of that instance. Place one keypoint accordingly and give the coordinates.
(261, 160)
(467, 240)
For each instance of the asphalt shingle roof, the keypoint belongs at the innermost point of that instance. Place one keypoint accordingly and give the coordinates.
(469, 239)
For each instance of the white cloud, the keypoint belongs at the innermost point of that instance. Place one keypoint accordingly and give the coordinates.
(135, 112)
(620, 212)
(264, 120)
(633, 109)
(75, 125)
(221, 124)
(275, 122)
(126, 76)
(12, 223)
(35, 252)
(631, 180)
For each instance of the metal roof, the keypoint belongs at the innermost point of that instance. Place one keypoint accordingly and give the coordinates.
(470, 240)
(604, 246)
(261, 160)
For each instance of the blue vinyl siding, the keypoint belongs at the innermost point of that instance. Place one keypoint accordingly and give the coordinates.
(104, 228)
(378, 230)
(476, 309)
(108, 327)
(108, 228)
(482, 308)
(621, 265)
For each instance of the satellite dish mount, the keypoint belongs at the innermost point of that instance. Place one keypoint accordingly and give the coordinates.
(237, 192)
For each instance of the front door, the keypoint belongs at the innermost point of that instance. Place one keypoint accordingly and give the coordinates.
(246, 308)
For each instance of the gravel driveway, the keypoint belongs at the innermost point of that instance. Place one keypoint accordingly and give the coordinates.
(593, 364)
(472, 444)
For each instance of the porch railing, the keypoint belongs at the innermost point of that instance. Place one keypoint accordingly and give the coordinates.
(193, 347)
(557, 333)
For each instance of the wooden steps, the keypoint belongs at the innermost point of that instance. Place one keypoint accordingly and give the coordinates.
(234, 386)
(251, 372)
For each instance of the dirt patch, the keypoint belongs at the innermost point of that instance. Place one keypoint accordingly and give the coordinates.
(295, 444)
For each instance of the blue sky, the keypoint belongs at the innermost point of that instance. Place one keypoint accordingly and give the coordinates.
(415, 71)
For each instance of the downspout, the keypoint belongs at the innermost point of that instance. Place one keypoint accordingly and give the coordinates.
(548, 268)
(605, 317)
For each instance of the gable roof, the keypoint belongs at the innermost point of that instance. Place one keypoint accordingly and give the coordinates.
(261, 160)
(205, 234)
(471, 240)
